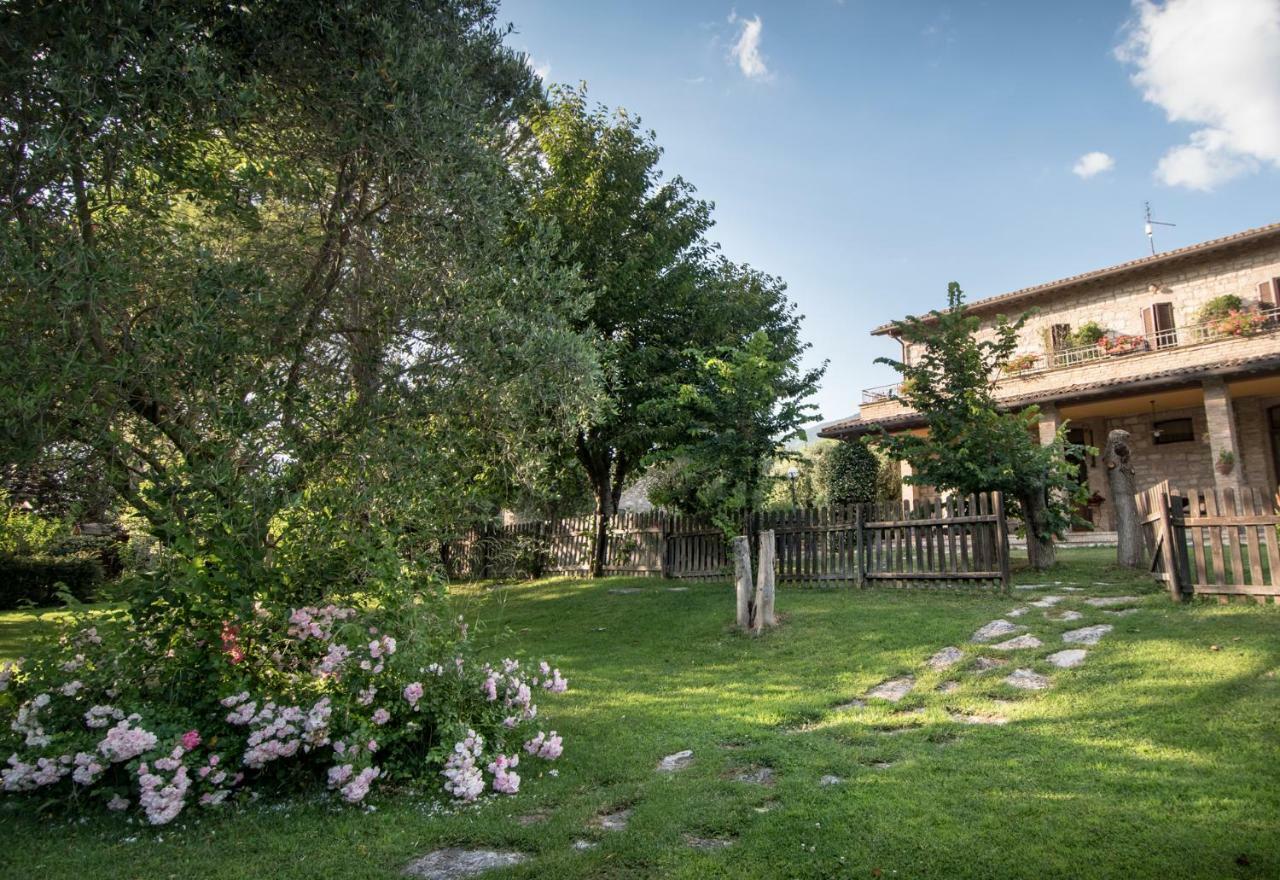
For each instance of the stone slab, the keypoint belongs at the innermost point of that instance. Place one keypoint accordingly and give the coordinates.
(1068, 659)
(1111, 601)
(1027, 680)
(946, 658)
(986, 664)
(1088, 635)
(1048, 601)
(994, 630)
(757, 776)
(1026, 640)
(614, 821)
(455, 863)
(1066, 614)
(676, 761)
(894, 689)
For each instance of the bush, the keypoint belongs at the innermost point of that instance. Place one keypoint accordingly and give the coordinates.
(104, 548)
(849, 473)
(147, 710)
(1219, 307)
(26, 534)
(35, 580)
(1088, 333)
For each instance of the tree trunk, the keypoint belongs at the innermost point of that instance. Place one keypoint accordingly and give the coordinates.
(1116, 456)
(764, 616)
(742, 580)
(598, 463)
(1040, 549)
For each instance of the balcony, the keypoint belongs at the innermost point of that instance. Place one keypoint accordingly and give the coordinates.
(1130, 353)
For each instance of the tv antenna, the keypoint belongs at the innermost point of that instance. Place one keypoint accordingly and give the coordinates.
(1150, 236)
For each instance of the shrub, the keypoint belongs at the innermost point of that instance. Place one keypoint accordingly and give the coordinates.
(1219, 307)
(849, 473)
(26, 534)
(104, 548)
(154, 714)
(1088, 333)
(35, 580)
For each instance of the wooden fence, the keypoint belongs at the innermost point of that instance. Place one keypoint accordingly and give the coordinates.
(1208, 543)
(940, 543)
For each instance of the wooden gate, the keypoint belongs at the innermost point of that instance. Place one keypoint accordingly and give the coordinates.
(940, 542)
(1203, 542)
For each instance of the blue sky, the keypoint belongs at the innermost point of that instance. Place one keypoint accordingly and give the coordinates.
(870, 152)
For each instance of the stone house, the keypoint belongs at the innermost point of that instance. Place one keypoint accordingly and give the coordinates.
(1159, 346)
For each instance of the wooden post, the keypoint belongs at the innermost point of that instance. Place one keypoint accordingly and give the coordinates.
(1002, 542)
(742, 579)
(1171, 568)
(1120, 478)
(764, 616)
(861, 549)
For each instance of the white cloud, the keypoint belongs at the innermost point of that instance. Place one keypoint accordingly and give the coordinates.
(747, 50)
(541, 69)
(1215, 64)
(1092, 163)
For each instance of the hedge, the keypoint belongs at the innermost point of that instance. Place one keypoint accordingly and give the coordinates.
(35, 579)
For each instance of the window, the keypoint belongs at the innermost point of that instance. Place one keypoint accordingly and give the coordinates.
(1157, 325)
(1269, 293)
(1172, 431)
(1060, 336)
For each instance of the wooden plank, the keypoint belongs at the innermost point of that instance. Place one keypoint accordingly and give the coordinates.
(936, 575)
(1237, 590)
(1247, 498)
(1215, 537)
(1197, 538)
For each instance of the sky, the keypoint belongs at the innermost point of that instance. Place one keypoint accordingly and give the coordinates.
(868, 153)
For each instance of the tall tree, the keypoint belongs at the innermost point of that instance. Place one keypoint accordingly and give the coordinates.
(972, 444)
(260, 260)
(661, 301)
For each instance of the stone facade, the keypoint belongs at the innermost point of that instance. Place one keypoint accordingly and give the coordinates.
(1225, 385)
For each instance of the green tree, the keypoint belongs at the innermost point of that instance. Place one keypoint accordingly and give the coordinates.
(269, 264)
(972, 444)
(661, 301)
(746, 404)
(850, 473)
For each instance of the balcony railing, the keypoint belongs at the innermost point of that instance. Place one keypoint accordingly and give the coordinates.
(1238, 326)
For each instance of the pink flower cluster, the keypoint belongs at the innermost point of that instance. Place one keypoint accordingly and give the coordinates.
(27, 721)
(87, 769)
(317, 623)
(124, 743)
(545, 745)
(163, 799)
(355, 787)
(463, 778)
(413, 693)
(505, 779)
(101, 716)
(23, 776)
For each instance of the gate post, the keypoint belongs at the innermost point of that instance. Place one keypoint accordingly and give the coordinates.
(1002, 541)
(862, 545)
(1173, 571)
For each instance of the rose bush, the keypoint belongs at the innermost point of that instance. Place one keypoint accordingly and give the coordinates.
(141, 715)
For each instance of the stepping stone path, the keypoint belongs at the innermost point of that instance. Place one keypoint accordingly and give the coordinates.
(852, 704)
(454, 863)
(978, 718)
(1125, 612)
(1017, 612)
(677, 589)
(946, 658)
(948, 687)
(1014, 644)
(1064, 615)
(1089, 635)
(677, 761)
(894, 689)
(625, 591)
(1027, 680)
(986, 664)
(994, 630)
(830, 779)
(1110, 601)
(1068, 659)
(758, 776)
(581, 844)
(615, 821)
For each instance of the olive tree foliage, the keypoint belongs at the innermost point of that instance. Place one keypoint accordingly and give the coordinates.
(971, 444)
(268, 264)
(663, 302)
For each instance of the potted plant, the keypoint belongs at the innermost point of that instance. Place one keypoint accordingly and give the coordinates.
(1240, 323)
(1122, 344)
(1226, 462)
(1021, 363)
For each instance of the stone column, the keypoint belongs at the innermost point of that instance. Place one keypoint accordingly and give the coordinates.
(1049, 422)
(1221, 418)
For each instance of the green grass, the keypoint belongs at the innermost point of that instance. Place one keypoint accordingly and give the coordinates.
(1157, 758)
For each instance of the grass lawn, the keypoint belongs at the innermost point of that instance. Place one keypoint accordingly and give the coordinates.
(1158, 757)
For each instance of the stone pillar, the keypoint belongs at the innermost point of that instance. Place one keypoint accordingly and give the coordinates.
(1050, 421)
(908, 490)
(1221, 418)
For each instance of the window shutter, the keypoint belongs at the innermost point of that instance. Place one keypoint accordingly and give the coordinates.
(1267, 293)
(1148, 322)
(1162, 313)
